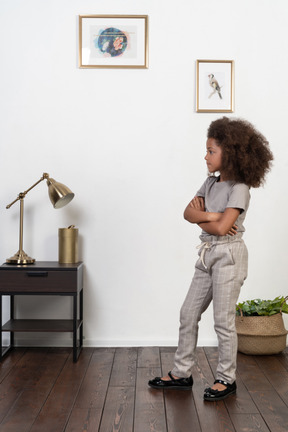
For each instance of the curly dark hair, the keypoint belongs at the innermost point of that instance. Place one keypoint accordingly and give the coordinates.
(246, 157)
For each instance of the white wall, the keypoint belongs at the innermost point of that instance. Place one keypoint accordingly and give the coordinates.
(130, 144)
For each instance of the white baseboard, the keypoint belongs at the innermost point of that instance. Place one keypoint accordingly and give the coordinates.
(99, 343)
(142, 343)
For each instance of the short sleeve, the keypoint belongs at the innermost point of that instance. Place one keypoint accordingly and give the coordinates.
(202, 191)
(239, 197)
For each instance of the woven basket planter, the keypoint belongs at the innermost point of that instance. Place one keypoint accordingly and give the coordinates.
(261, 335)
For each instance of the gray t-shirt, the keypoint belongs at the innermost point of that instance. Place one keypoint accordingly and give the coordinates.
(220, 195)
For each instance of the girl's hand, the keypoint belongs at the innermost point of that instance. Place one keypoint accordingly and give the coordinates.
(198, 203)
(233, 230)
(220, 224)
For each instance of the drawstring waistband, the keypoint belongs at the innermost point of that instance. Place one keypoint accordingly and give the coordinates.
(204, 246)
(215, 240)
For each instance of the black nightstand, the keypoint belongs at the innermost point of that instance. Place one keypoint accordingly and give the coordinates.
(43, 278)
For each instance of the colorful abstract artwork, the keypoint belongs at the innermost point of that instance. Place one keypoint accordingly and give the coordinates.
(113, 41)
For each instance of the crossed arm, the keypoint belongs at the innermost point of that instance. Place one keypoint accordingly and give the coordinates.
(213, 223)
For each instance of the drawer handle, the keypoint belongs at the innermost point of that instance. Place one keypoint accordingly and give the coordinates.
(37, 274)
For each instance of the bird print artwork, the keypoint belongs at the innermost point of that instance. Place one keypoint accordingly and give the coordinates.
(215, 85)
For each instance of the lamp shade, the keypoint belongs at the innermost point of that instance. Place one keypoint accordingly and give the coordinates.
(59, 194)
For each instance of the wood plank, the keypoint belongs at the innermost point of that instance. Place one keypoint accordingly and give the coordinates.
(149, 403)
(30, 400)
(272, 408)
(25, 410)
(124, 367)
(73, 373)
(180, 405)
(51, 367)
(25, 373)
(94, 387)
(148, 357)
(58, 406)
(88, 407)
(56, 410)
(249, 423)
(28, 368)
(119, 406)
(10, 360)
(252, 377)
(283, 358)
(275, 373)
(118, 410)
(83, 420)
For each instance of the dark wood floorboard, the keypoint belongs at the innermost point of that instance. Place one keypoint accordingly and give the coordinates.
(106, 391)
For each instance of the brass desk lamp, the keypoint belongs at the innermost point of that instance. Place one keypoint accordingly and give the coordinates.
(59, 195)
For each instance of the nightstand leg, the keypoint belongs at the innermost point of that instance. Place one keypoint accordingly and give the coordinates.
(75, 328)
(1, 349)
(4, 350)
(81, 319)
(12, 317)
(77, 348)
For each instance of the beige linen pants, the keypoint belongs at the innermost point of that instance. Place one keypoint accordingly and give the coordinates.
(219, 274)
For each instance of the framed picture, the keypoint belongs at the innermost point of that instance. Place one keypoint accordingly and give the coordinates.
(113, 41)
(215, 86)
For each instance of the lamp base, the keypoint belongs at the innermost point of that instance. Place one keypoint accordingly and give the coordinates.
(20, 258)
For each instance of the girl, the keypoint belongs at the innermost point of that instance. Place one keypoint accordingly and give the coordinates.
(241, 155)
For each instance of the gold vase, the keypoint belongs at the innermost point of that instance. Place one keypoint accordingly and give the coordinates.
(68, 245)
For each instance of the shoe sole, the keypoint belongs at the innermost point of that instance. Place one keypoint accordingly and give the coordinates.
(219, 398)
(171, 387)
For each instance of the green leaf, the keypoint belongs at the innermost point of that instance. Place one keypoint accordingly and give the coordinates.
(258, 307)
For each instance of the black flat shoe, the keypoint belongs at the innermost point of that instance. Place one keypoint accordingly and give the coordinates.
(178, 384)
(216, 395)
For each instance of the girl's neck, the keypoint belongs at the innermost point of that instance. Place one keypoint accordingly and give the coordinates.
(222, 178)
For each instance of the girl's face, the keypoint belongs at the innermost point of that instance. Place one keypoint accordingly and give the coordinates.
(213, 156)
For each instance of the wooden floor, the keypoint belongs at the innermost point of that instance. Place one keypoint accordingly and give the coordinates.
(42, 390)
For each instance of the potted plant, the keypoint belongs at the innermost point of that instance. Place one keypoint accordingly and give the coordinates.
(260, 326)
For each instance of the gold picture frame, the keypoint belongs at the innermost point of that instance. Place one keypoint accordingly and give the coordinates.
(215, 86)
(113, 41)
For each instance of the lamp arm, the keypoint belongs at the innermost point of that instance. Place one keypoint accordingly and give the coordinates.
(23, 194)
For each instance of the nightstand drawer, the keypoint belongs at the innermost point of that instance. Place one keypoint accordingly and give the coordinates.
(38, 281)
